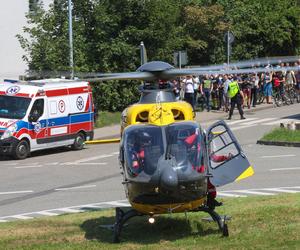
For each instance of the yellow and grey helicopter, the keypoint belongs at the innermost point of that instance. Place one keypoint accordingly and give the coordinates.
(167, 160)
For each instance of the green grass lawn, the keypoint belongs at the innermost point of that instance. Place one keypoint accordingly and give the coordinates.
(257, 223)
(107, 118)
(282, 134)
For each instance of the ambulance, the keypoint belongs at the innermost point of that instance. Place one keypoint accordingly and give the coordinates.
(44, 114)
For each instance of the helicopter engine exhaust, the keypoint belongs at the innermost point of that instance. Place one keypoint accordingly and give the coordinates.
(168, 177)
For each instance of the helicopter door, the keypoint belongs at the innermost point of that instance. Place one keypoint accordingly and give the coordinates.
(227, 161)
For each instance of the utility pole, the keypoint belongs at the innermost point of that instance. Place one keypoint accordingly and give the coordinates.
(179, 59)
(229, 39)
(228, 48)
(71, 39)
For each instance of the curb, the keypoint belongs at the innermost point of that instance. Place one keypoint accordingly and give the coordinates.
(279, 143)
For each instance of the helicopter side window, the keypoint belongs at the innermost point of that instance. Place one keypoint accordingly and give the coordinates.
(144, 146)
(221, 147)
(184, 143)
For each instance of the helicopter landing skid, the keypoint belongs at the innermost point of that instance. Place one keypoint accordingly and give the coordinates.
(221, 220)
(121, 218)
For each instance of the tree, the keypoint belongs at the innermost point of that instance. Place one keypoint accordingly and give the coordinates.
(263, 28)
(205, 28)
(107, 34)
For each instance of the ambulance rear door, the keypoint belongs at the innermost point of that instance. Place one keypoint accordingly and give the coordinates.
(80, 110)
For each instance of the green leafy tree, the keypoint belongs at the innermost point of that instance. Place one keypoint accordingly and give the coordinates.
(263, 28)
(205, 28)
(107, 34)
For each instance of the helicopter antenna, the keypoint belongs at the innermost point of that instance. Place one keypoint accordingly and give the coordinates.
(143, 53)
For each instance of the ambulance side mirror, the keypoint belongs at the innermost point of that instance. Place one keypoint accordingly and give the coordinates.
(33, 117)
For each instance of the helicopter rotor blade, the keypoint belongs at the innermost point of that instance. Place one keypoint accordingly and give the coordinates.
(160, 70)
(259, 62)
(144, 76)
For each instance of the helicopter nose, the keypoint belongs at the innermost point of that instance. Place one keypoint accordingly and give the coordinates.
(169, 178)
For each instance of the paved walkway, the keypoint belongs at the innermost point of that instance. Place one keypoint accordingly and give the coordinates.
(201, 117)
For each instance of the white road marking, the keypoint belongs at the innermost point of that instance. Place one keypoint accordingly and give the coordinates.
(72, 188)
(125, 203)
(253, 192)
(53, 163)
(247, 124)
(34, 166)
(284, 169)
(115, 153)
(91, 163)
(280, 190)
(240, 121)
(92, 206)
(230, 195)
(10, 164)
(276, 156)
(70, 210)
(259, 121)
(21, 217)
(278, 121)
(117, 203)
(90, 159)
(242, 127)
(46, 213)
(17, 192)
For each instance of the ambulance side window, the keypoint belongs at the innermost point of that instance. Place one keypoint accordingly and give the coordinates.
(38, 108)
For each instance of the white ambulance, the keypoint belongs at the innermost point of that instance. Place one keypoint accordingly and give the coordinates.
(44, 114)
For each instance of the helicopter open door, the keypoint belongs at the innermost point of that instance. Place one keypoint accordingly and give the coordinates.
(227, 161)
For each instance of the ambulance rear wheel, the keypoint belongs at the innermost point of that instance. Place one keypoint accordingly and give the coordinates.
(78, 142)
(22, 150)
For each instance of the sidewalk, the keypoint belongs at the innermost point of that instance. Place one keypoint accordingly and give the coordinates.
(113, 131)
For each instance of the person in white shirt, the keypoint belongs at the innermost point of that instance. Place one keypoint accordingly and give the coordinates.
(188, 86)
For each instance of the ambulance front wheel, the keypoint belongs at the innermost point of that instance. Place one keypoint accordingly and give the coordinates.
(78, 142)
(22, 150)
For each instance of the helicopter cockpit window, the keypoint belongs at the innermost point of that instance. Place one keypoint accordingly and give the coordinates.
(144, 147)
(221, 147)
(184, 142)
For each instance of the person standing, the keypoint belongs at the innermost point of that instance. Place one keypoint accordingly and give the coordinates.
(255, 86)
(267, 86)
(226, 80)
(220, 92)
(297, 76)
(196, 88)
(205, 89)
(188, 85)
(236, 98)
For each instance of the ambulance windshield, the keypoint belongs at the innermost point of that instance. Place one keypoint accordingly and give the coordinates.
(12, 107)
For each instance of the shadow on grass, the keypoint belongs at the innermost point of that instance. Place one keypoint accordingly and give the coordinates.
(138, 230)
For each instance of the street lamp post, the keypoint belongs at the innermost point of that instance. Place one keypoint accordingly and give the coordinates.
(71, 39)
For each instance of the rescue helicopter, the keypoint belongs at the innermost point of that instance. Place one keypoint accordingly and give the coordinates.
(169, 163)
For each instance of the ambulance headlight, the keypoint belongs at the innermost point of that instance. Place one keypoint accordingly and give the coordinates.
(9, 131)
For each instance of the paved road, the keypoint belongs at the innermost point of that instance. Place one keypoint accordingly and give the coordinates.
(59, 181)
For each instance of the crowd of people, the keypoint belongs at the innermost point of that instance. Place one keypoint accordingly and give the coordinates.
(224, 91)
